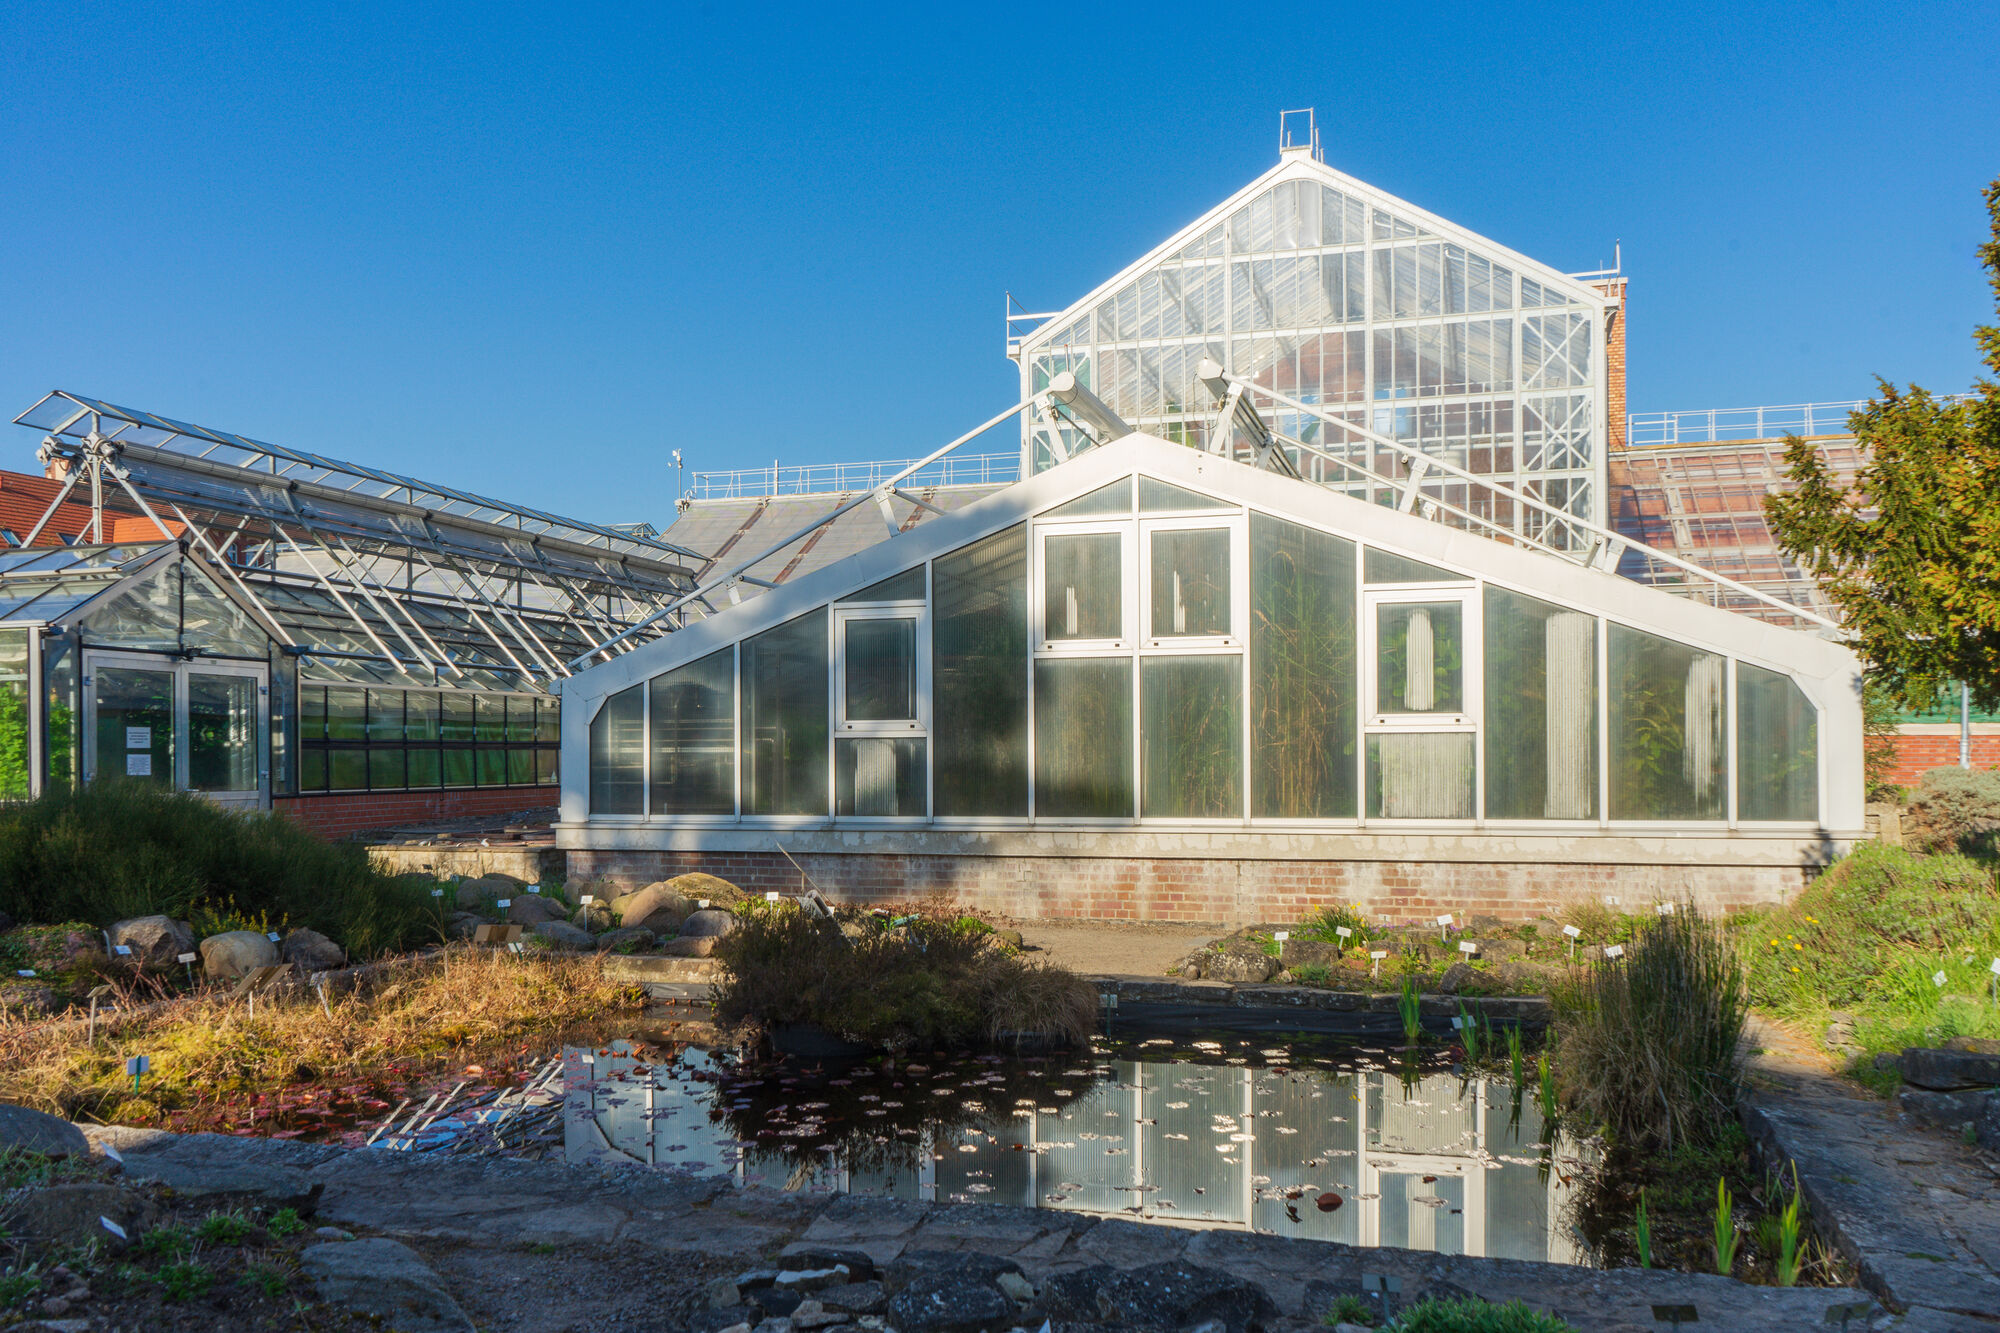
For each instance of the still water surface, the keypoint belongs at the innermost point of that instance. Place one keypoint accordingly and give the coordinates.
(1313, 1137)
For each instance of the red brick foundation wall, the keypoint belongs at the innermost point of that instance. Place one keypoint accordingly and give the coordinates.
(1938, 748)
(339, 814)
(1232, 892)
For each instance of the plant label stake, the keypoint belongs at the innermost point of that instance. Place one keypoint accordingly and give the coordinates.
(1614, 951)
(1664, 909)
(96, 993)
(1573, 933)
(319, 984)
(1468, 947)
(770, 897)
(1375, 966)
(1343, 932)
(503, 903)
(138, 1066)
(186, 960)
(437, 893)
(122, 950)
(113, 1228)
(1444, 926)
(535, 889)
(1675, 1315)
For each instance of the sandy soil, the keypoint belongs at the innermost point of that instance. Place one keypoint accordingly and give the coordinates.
(1113, 949)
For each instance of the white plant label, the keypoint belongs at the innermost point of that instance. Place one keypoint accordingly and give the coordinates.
(437, 893)
(113, 1228)
(185, 958)
(534, 888)
(136, 1065)
(1467, 946)
(1571, 931)
(122, 950)
(1665, 909)
(272, 936)
(1994, 967)
(1937, 979)
(504, 903)
(1444, 920)
(1458, 1022)
(770, 897)
(1343, 932)
(1614, 951)
(588, 899)
(25, 972)
(1378, 954)
(1282, 936)
(701, 902)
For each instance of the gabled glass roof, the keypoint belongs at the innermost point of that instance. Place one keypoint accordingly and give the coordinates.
(46, 583)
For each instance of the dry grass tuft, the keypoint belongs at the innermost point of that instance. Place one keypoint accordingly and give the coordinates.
(204, 1045)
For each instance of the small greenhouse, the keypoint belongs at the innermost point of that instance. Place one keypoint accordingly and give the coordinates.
(1152, 654)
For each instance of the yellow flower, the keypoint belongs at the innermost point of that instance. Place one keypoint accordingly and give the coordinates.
(1799, 946)
(1774, 944)
(1795, 969)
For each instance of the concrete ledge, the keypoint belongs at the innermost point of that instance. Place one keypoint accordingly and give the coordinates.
(1526, 1008)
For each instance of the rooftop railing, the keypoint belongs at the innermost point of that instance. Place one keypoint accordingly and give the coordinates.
(822, 478)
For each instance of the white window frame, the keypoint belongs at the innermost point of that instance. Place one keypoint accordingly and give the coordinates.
(1128, 591)
(917, 728)
(1238, 528)
(1472, 670)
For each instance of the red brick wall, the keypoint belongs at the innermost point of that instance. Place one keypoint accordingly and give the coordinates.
(1228, 891)
(1916, 754)
(338, 814)
(1614, 361)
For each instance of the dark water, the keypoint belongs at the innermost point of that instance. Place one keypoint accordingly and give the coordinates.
(1251, 1124)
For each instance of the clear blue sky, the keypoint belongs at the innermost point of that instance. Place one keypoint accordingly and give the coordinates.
(530, 250)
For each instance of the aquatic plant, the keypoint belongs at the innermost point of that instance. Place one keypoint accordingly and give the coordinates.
(1546, 1095)
(1410, 1006)
(1650, 1046)
(1469, 1034)
(1726, 1236)
(1790, 1224)
(1642, 1230)
(1515, 1058)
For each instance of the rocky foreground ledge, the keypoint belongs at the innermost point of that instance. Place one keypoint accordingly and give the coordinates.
(428, 1243)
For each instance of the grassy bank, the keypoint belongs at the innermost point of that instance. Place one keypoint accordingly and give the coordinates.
(205, 1047)
(118, 849)
(926, 978)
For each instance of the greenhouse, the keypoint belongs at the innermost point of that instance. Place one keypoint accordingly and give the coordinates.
(1150, 655)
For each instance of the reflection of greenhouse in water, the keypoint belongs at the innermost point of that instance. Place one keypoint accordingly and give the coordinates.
(1441, 1164)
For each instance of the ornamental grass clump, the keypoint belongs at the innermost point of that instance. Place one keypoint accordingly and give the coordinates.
(1647, 1045)
(929, 981)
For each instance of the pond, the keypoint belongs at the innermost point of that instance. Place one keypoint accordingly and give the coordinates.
(1230, 1120)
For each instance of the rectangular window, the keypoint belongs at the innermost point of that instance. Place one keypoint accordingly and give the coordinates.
(1419, 658)
(386, 770)
(879, 776)
(1083, 739)
(458, 717)
(520, 766)
(880, 670)
(490, 766)
(1668, 747)
(1777, 748)
(1304, 691)
(347, 770)
(490, 714)
(1190, 577)
(395, 736)
(694, 737)
(617, 756)
(420, 717)
(385, 715)
(458, 769)
(1083, 586)
(979, 677)
(1420, 775)
(1541, 709)
(784, 711)
(346, 713)
(1191, 735)
(520, 720)
(424, 767)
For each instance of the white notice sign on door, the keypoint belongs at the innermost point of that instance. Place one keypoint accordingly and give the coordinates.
(138, 738)
(138, 766)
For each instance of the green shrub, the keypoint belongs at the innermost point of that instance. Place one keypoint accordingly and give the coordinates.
(286, 1222)
(1956, 810)
(118, 849)
(1647, 1045)
(1321, 926)
(1313, 974)
(927, 982)
(267, 1278)
(184, 1280)
(1477, 1316)
(224, 1228)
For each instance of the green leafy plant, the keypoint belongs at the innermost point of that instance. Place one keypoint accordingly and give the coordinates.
(165, 1242)
(17, 1285)
(1515, 1058)
(1472, 1315)
(1324, 926)
(286, 1223)
(224, 1228)
(1312, 974)
(1348, 1308)
(267, 1278)
(1545, 1077)
(184, 1279)
(1790, 1226)
(1410, 1006)
(1469, 1034)
(1642, 1231)
(1726, 1236)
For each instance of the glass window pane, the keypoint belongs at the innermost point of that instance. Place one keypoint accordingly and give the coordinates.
(1191, 736)
(545, 766)
(135, 723)
(490, 770)
(420, 715)
(1303, 688)
(458, 768)
(346, 713)
(145, 615)
(879, 776)
(617, 756)
(520, 719)
(1083, 739)
(548, 721)
(211, 623)
(694, 737)
(1190, 583)
(1113, 499)
(347, 770)
(1419, 657)
(1541, 709)
(423, 768)
(979, 677)
(1162, 497)
(1420, 775)
(491, 717)
(312, 770)
(520, 767)
(907, 586)
(1084, 586)
(222, 732)
(385, 715)
(312, 714)
(458, 723)
(385, 769)
(1379, 566)
(784, 733)
(1667, 742)
(881, 670)
(1777, 747)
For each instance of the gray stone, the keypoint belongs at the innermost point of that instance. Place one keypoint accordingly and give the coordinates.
(310, 951)
(1239, 967)
(482, 892)
(37, 1131)
(706, 923)
(1947, 1071)
(62, 1217)
(562, 935)
(593, 917)
(1012, 937)
(386, 1280)
(155, 941)
(1016, 1286)
(951, 1303)
(1456, 978)
(811, 1314)
(915, 1265)
(236, 953)
(657, 908)
(464, 925)
(799, 1258)
(697, 886)
(531, 909)
(723, 1293)
(854, 1298)
(636, 937)
(697, 946)
(1175, 1294)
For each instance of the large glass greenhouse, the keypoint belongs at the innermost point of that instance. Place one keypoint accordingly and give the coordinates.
(1151, 654)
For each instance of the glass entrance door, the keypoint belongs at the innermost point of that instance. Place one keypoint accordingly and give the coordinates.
(200, 727)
